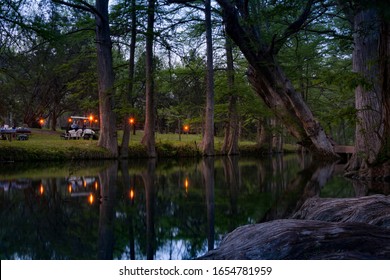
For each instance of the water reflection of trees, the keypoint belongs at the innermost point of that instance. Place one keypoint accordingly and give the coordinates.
(148, 209)
(41, 222)
(107, 199)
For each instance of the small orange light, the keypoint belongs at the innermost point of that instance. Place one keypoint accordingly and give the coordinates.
(186, 184)
(131, 194)
(41, 189)
(96, 185)
(91, 199)
(69, 188)
(131, 120)
(41, 121)
(91, 117)
(186, 128)
(96, 121)
(70, 120)
(85, 184)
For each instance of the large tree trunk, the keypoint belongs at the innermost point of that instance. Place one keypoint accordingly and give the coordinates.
(208, 138)
(368, 99)
(148, 140)
(126, 125)
(270, 82)
(384, 74)
(230, 145)
(108, 134)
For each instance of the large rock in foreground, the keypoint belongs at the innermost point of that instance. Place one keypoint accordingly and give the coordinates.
(303, 239)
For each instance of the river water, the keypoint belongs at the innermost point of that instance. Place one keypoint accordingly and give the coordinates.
(149, 209)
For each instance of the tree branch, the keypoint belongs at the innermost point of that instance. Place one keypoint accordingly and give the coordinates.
(293, 28)
(84, 7)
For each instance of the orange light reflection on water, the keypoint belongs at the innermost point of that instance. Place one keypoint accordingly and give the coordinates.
(41, 189)
(91, 199)
(132, 194)
(186, 184)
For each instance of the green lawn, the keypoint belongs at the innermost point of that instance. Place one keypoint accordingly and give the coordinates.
(48, 145)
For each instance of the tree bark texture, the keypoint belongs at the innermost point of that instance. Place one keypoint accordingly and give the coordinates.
(108, 134)
(230, 145)
(384, 70)
(270, 82)
(368, 99)
(301, 239)
(148, 140)
(126, 125)
(208, 138)
(373, 210)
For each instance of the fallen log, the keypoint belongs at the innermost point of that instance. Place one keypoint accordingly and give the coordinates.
(304, 239)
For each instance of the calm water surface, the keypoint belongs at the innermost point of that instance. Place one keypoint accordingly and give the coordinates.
(150, 209)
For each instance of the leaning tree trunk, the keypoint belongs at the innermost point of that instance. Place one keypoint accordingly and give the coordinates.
(368, 99)
(271, 84)
(108, 136)
(268, 79)
(148, 140)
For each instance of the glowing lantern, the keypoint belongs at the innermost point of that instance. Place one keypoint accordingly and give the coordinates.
(131, 120)
(70, 120)
(91, 118)
(186, 128)
(69, 188)
(41, 122)
(96, 185)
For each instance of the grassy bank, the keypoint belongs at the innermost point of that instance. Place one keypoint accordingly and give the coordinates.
(48, 145)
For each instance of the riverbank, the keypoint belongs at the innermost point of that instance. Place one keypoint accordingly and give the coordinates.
(45, 145)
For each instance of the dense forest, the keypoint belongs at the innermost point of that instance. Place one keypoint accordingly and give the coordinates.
(310, 72)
